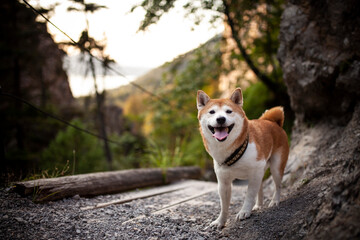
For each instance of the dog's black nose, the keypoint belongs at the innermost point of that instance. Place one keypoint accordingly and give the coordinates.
(221, 120)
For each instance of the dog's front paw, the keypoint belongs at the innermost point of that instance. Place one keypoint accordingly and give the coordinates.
(257, 207)
(218, 223)
(243, 215)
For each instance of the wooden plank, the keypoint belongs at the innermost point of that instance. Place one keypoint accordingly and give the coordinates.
(136, 196)
(103, 183)
(183, 201)
(194, 191)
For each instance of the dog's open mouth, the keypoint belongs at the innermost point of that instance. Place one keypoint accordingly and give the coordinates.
(221, 133)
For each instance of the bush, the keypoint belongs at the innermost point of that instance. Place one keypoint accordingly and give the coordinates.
(83, 151)
(187, 152)
(129, 153)
(256, 100)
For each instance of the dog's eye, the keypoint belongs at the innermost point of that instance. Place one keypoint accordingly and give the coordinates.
(228, 111)
(212, 112)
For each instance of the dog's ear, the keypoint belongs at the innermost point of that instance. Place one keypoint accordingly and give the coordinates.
(202, 99)
(237, 97)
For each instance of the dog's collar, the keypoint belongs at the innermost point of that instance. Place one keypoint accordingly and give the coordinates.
(237, 154)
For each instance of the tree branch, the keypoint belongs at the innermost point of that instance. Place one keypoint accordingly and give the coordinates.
(262, 77)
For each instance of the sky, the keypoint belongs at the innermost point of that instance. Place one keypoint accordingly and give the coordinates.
(131, 49)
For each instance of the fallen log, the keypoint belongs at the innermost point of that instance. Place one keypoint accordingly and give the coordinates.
(93, 184)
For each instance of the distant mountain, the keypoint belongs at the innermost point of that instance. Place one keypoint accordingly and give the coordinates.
(75, 66)
(154, 80)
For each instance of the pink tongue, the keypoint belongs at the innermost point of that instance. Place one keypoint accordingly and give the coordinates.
(220, 134)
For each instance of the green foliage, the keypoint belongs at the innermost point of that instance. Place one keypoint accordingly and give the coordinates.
(267, 174)
(175, 134)
(24, 147)
(158, 156)
(74, 152)
(129, 153)
(254, 25)
(154, 10)
(258, 24)
(84, 151)
(186, 153)
(51, 173)
(256, 100)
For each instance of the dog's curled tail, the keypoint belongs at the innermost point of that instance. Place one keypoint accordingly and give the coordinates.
(275, 114)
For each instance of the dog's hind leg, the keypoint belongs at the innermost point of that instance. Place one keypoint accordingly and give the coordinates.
(276, 173)
(259, 199)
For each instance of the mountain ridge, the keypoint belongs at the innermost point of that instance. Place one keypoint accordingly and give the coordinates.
(154, 79)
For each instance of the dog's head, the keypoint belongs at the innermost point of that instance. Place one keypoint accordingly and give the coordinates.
(221, 119)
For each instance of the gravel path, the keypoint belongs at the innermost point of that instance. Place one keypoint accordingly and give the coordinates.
(323, 199)
(20, 218)
(320, 200)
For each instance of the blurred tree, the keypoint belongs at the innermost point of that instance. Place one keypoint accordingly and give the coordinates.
(176, 140)
(89, 46)
(130, 152)
(81, 150)
(254, 27)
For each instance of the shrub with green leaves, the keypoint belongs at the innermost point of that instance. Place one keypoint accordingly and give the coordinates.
(187, 152)
(256, 100)
(129, 153)
(175, 134)
(83, 151)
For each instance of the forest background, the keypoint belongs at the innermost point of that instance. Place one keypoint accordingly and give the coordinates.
(159, 129)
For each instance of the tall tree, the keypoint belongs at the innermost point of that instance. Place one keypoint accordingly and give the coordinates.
(87, 46)
(244, 17)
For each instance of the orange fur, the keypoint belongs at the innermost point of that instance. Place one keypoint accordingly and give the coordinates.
(266, 132)
(275, 114)
(269, 138)
(268, 147)
(269, 135)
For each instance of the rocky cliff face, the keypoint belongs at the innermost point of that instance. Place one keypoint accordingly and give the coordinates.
(54, 75)
(31, 68)
(320, 58)
(32, 65)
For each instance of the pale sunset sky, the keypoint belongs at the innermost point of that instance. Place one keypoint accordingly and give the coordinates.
(162, 42)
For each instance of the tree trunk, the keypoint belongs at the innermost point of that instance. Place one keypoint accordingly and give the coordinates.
(262, 77)
(101, 117)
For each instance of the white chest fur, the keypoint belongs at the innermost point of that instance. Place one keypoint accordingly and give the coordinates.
(243, 168)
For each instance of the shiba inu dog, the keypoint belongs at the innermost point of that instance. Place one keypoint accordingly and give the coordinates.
(242, 149)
